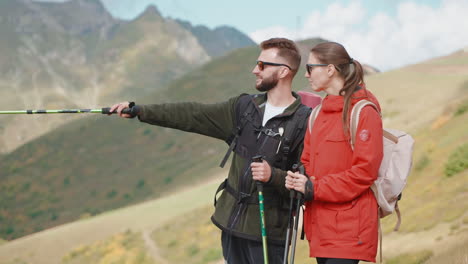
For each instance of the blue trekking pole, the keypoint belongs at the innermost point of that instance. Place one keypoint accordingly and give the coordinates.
(262, 213)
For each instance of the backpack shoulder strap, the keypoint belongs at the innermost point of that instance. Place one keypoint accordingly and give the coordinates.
(294, 127)
(355, 113)
(244, 102)
(313, 116)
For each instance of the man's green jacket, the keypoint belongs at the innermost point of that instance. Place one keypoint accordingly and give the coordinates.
(234, 214)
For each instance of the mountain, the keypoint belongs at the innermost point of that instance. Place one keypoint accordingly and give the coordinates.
(232, 38)
(76, 55)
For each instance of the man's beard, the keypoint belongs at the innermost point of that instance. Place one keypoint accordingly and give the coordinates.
(267, 84)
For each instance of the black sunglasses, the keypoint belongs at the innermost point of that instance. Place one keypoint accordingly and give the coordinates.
(309, 66)
(261, 64)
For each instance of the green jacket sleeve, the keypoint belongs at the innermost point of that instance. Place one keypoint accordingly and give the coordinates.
(278, 176)
(213, 120)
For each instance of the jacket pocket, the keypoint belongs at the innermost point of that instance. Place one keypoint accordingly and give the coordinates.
(339, 221)
(334, 154)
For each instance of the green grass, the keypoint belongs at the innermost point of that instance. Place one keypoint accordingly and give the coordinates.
(127, 247)
(419, 257)
(43, 248)
(422, 163)
(462, 107)
(190, 239)
(457, 254)
(457, 161)
(414, 91)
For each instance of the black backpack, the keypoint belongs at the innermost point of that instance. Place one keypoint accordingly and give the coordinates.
(294, 127)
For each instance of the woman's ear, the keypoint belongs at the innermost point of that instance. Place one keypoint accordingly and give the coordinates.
(331, 70)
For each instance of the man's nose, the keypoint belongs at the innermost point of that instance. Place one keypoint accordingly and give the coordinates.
(255, 70)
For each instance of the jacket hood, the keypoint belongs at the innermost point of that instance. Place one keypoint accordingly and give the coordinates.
(335, 103)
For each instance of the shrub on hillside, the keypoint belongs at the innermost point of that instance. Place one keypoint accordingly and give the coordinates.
(422, 163)
(462, 108)
(111, 194)
(458, 161)
(167, 180)
(140, 184)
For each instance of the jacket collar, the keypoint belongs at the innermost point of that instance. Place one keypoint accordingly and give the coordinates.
(261, 99)
(335, 103)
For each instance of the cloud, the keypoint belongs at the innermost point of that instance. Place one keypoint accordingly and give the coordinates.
(417, 32)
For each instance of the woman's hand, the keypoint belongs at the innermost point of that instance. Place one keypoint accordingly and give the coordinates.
(295, 181)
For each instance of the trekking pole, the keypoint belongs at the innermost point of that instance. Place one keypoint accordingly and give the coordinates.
(259, 158)
(290, 219)
(296, 221)
(133, 111)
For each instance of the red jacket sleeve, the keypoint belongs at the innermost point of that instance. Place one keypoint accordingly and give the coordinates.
(347, 185)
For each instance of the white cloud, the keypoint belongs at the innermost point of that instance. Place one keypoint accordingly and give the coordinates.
(417, 32)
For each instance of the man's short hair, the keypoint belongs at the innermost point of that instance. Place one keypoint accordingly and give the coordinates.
(287, 49)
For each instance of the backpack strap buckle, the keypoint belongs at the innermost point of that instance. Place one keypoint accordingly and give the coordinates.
(242, 197)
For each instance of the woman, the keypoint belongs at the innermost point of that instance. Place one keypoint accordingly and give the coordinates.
(341, 218)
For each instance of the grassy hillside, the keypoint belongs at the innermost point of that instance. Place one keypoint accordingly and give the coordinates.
(432, 176)
(125, 247)
(194, 235)
(52, 245)
(411, 97)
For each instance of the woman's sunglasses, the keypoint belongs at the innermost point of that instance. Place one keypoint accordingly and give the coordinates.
(261, 64)
(309, 66)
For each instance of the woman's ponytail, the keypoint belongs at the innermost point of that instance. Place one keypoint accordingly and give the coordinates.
(350, 69)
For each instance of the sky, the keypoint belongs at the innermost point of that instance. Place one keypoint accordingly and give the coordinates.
(386, 34)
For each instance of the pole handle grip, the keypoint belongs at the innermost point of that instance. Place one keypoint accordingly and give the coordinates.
(258, 158)
(296, 168)
(133, 111)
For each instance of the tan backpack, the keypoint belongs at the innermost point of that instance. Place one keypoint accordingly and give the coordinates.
(396, 163)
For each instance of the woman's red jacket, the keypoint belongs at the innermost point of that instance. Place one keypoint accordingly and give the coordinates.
(342, 220)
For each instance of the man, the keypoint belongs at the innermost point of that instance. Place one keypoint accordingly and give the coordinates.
(272, 125)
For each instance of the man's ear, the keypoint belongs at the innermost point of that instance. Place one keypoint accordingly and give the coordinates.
(283, 72)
